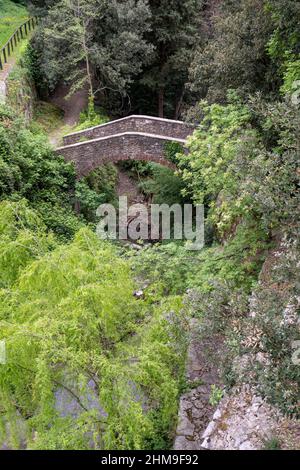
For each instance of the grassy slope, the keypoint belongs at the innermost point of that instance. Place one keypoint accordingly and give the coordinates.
(11, 16)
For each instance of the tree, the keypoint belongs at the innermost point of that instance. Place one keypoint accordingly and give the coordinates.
(40, 7)
(286, 19)
(69, 36)
(174, 34)
(94, 43)
(234, 54)
(284, 45)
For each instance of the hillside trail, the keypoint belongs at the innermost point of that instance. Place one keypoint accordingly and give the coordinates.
(7, 68)
(71, 106)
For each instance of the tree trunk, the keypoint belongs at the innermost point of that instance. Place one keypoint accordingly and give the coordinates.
(161, 102)
(178, 106)
(77, 207)
(87, 62)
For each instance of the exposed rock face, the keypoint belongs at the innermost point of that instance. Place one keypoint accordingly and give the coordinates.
(244, 421)
(195, 411)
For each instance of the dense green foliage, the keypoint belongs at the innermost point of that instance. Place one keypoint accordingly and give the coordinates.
(92, 362)
(165, 56)
(163, 187)
(69, 316)
(146, 44)
(233, 53)
(30, 169)
(12, 15)
(244, 166)
(174, 32)
(245, 171)
(91, 117)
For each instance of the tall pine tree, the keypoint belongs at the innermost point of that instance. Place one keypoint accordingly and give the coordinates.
(174, 34)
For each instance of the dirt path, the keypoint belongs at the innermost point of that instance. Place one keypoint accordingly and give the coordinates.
(7, 68)
(71, 106)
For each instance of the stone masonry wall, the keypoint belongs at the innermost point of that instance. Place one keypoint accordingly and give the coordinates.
(89, 155)
(144, 124)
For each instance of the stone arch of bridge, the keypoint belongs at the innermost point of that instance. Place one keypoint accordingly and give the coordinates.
(89, 155)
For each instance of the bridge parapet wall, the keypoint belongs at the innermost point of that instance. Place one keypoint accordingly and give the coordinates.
(140, 124)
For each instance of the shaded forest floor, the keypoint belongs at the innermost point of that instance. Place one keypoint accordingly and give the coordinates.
(70, 108)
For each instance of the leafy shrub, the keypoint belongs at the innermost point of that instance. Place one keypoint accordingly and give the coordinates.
(208, 170)
(163, 185)
(291, 77)
(30, 169)
(12, 16)
(70, 317)
(244, 165)
(31, 63)
(91, 117)
(103, 181)
(23, 238)
(60, 219)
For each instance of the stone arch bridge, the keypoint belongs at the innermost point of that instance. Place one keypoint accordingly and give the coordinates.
(131, 138)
